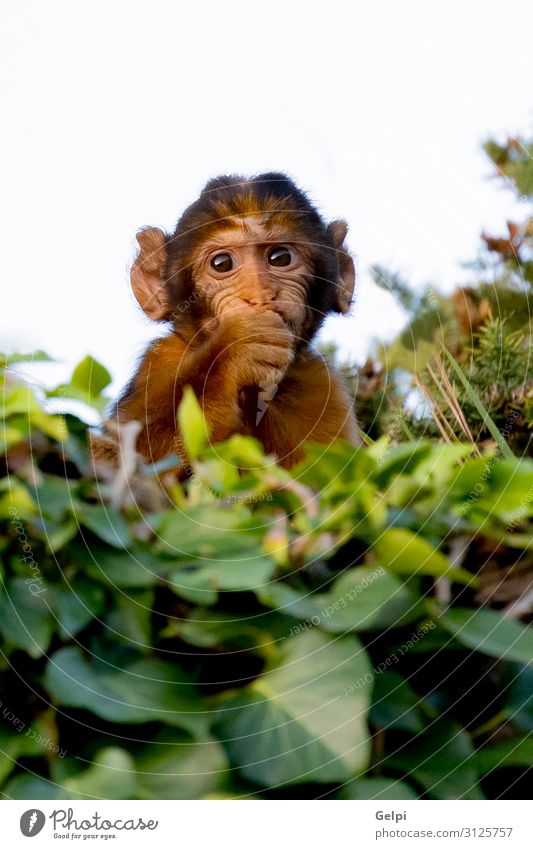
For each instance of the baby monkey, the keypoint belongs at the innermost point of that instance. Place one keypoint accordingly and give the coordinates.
(245, 280)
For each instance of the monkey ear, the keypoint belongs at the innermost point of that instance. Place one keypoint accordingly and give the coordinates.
(346, 280)
(146, 274)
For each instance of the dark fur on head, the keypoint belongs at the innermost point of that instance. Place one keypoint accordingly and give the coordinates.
(226, 197)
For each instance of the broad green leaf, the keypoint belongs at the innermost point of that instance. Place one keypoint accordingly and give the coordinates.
(519, 697)
(91, 377)
(394, 704)
(362, 599)
(130, 619)
(110, 776)
(31, 357)
(195, 585)
(247, 573)
(75, 605)
(402, 551)
(144, 691)
(399, 459)
(55, 496)
(21, 400)
(19, 499)
(192, 424)
(302, 720)
(517, 752)
(377, 788)
(327, 469)
(243, 452)
(441, 760)
(207, 532)
(212, 629)
(106, 522)
(26, 621)
(168, 769)
(490, 633)
(25, 786)
(57, 537)
(136, 567)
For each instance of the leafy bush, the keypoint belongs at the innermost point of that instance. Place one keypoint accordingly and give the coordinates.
(460, 368)
(341, 631)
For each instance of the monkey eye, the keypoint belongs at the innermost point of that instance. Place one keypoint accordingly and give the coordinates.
(222, 263)
(279, 257)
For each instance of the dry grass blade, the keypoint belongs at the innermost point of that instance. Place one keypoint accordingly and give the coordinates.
(443, 426)
(452, 398)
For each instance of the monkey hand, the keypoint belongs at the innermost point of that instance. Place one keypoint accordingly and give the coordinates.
(258, 349)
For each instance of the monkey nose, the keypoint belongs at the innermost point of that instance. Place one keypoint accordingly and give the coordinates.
(261, 297)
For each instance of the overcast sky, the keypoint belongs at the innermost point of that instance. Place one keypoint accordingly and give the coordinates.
(115, 114)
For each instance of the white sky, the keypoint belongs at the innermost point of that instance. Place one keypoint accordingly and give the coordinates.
(115, 114)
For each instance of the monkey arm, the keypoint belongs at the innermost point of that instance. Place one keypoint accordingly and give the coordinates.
(312, 404)
(155, 391)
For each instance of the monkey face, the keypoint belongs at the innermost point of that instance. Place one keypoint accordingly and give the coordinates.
(250, 267)
(246, 246)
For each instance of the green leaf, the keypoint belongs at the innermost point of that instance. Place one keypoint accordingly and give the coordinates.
(441, 760)
(25, 618)
(106, 522)
(171, 770)
(207, 532)
(362, 599)
(130, 619)
(192, 424)
(144, 691)
(518, 752)
(377, 788)
(110, 776)
(76, 605)
(400, 459)
(302, 720)
(194, 585)
(394, 704)
(136, 567)
(91, 377)
(21, 400)
(490, 633)
(55, 496)
(197, 583)
(519, 697)
(212, 629)
(402, 551)
(33, 787)
(32, 357)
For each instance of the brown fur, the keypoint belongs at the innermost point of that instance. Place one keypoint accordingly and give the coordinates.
(241, 339)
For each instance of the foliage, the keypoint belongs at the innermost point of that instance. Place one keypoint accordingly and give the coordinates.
(485, 326)
(257, 633)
